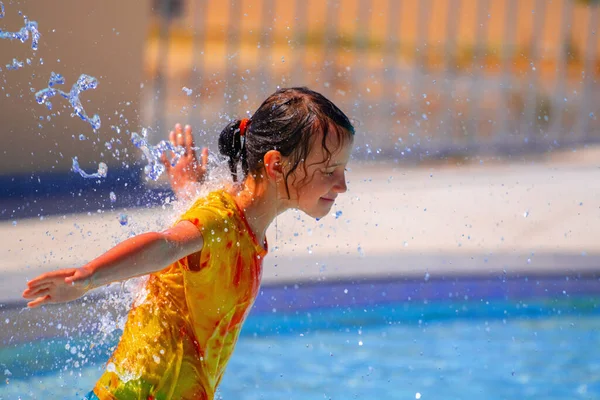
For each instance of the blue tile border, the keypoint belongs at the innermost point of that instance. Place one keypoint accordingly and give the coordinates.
(369, 292)
(293, 308)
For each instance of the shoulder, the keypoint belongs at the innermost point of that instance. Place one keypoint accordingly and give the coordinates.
(215, 211)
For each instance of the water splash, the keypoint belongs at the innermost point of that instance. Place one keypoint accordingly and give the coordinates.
(155, 168)
(187, 91)
(16, 64)
(85, 82)
(22, 34)
(102, 170)
(123, 219)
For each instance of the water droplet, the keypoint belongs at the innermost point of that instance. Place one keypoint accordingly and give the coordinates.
(123, 220)
(526, 214)
(187, 91)
(102, 170)
(14, 223)
(417, 395)
(338, 214)
(155, 167)
(82, 137)
(112, 196)
(22, 34)
(16, 64)
(85, 82)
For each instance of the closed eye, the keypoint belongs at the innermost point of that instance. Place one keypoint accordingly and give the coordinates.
(331, 173)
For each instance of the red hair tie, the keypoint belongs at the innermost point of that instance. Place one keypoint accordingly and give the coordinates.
(244, 126)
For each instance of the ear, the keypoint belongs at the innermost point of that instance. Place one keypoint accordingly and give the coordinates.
(273, 162)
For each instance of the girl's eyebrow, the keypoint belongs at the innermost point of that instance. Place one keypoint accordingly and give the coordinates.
(334, 165)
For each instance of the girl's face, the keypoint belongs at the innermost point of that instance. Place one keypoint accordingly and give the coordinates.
(315, 185)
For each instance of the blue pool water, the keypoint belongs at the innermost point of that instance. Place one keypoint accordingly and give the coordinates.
(536, 349)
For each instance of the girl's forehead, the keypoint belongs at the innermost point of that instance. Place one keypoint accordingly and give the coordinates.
(337, 152)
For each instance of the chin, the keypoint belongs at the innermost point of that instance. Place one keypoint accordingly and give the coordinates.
(318, 214)
(317, 211)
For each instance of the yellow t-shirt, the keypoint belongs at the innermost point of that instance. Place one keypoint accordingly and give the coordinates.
(177, 342)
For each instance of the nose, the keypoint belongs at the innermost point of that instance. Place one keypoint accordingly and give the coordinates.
(340, 185)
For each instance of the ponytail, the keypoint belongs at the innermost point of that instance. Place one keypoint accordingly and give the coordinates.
(232, 144)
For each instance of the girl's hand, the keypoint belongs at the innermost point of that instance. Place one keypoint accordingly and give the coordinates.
(187, 171)
(58, 286)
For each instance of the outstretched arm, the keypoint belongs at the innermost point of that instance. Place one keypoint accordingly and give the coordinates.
(136, 256)
(188, 172)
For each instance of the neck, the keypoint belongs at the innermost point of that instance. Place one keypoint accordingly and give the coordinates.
(260, 204)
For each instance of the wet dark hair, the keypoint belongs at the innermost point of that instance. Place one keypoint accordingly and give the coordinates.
(287, 121)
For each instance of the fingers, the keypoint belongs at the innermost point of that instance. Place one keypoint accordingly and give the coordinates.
(189, 140)
(204, 156)
(39, 301)
(165, 161)
(179, 139)
(49, 277)
(172, 138)
(39, 281)
(33, 293)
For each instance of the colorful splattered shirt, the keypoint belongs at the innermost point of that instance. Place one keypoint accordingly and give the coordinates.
(177, 342)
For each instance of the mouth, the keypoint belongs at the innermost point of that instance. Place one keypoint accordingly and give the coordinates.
(327, 199)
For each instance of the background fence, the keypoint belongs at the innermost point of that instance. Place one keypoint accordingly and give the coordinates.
(421, 77)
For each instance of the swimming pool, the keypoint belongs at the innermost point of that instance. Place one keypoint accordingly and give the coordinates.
(453, 349)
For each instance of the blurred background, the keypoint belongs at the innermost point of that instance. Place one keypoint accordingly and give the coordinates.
(429, 78)
(462, 259)
(423, 80)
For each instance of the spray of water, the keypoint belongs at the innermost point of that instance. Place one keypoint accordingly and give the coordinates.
(16, 64)
(85, 82)
(30, 27)
(155, 168)
(102, 170)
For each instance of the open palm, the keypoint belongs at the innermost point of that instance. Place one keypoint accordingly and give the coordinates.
(58, 286)
(187, 171)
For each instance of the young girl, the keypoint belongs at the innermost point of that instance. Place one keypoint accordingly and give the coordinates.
(205, 271)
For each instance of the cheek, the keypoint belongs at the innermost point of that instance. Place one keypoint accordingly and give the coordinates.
(301, 187)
